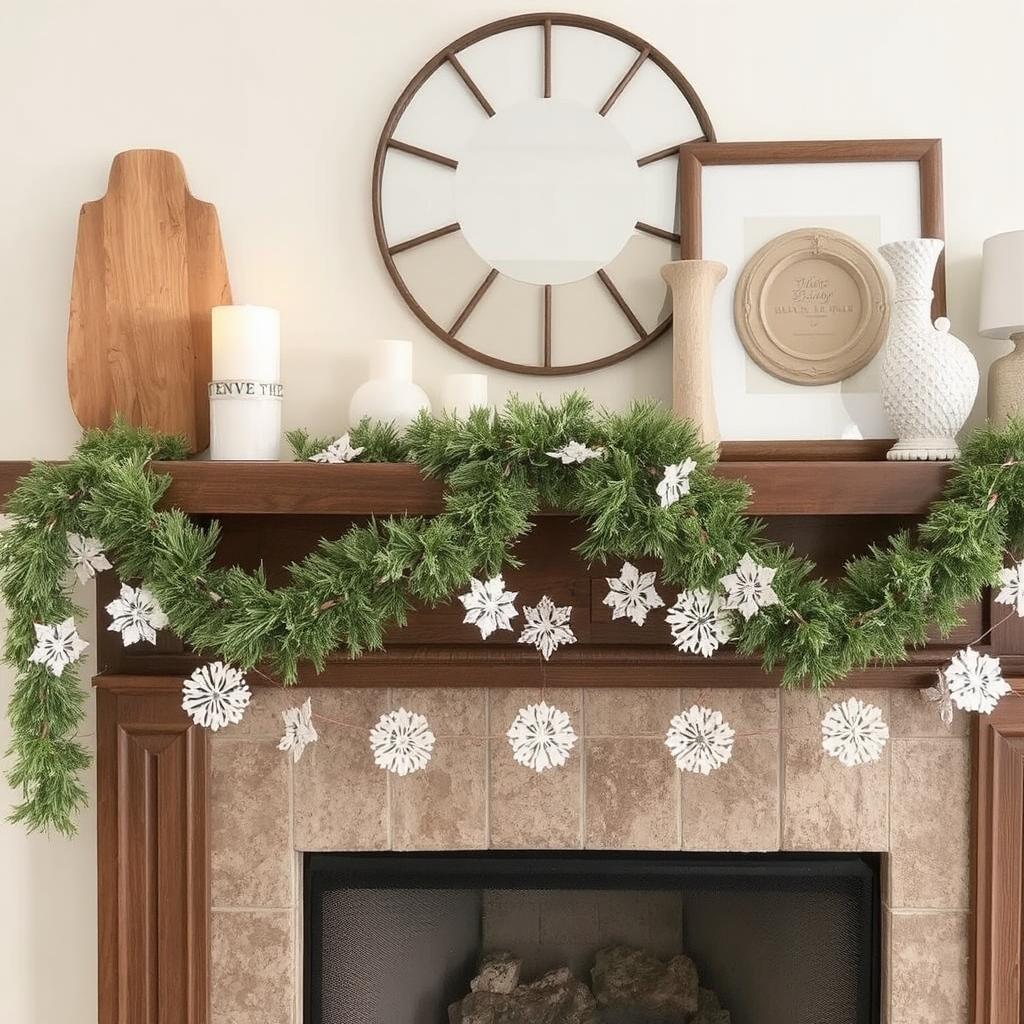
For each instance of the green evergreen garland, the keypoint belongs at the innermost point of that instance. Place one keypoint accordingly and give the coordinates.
(497, 475)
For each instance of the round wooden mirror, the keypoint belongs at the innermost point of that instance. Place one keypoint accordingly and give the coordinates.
(525, 192)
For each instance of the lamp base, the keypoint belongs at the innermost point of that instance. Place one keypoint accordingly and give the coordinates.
(1006, 384)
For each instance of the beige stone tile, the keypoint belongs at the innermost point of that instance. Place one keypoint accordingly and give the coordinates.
(506, 702)
(445, 806)
(803, 710)
(928, 967)
(629, 712)
(262, 719)
(736, 807)
(251, 967)
(911, 715)
(340, 795)
(632, 795)
(251, 859)
(454, 711)
(930, 824)
(746, 710)
(826, 806)
(534, 810)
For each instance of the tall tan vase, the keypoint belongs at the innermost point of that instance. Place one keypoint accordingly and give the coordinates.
(693, 284)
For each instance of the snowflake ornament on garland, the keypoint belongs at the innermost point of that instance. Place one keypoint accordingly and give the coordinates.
(749, 588)
(547, 627)
(939, 694)
(675, 482)
(576, 452)
(976, 681)
(700, 740)
(337, 451)
(57, 646)
(489, 606)
(1012, 592)
(700, 622)
(299, 730)
(853, 732)
(541, 737)
(215, 695)
(87, 556)
(136, 614)
(402, 742)
(632, 594)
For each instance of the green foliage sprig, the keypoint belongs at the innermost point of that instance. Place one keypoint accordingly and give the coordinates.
(497, 475)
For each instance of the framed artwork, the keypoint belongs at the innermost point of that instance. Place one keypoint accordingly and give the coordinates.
(820, 210)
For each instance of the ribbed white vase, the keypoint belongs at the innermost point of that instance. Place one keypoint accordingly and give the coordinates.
(929, 377)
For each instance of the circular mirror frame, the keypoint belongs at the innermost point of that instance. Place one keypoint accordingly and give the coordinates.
(449, 54)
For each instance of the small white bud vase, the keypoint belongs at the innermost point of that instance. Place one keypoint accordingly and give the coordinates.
(389, 396)
(929, 377)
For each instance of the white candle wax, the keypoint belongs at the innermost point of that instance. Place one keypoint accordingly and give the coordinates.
(245, 429)
(246, 343)
(462, 392)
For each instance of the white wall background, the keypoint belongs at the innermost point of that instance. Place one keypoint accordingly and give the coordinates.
(275, 109)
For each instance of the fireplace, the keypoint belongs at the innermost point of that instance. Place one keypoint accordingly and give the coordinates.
(602, 937)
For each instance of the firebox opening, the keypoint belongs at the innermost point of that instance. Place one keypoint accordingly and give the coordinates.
(591, 938)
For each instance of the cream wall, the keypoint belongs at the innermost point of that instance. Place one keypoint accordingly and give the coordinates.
(275, 109)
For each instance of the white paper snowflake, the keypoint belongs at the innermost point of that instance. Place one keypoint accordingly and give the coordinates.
(337, 451)
(57, 646)
(700, 740)
(676, 482)
(136, 614)
(215, 695)
(547, 627)
(700, 622)
(749, 588)
(976, 681)
(939, 694)
(574, 451)
(853, 732)
(489, 606)
(632, 594)
(299, 730)
(402, 742)
(1012, 592)
(87, 556)
(541, 737)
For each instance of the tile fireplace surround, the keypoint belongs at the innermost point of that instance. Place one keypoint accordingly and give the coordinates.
(620, 791)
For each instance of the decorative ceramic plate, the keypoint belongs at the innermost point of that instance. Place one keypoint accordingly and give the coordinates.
(812, 306)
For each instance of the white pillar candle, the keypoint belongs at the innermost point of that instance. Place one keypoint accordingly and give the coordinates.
(462, 392)
(246, 343)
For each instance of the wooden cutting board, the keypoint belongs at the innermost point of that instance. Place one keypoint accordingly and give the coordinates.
(149, 266)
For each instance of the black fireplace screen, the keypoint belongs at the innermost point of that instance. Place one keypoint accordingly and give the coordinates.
(591, 938)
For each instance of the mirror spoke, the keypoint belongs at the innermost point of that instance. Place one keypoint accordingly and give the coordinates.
(622, 303)
(547, 58)
(547, 325)
(424, 154)
(650, 229)
(662, 154)
(471, 305)
(428, 236)
(625, 80)
(470, 84)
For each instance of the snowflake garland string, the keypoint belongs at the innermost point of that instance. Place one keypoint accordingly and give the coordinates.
(541, 737)
(299, 730)
(749, 588)
(632, 594)
(87, 556)
(338, 451)
(939, 694)
(136, 615)
(489, 606)
(700, 622)
(57, 646)
(547, 627)
(700, 740)
(853, 732)
(1012, 592)
(215, 695)
(402, 742)
(675, 482)
(976, 681)
(575, 452)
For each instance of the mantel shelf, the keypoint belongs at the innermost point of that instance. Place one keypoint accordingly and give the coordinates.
(805, 488)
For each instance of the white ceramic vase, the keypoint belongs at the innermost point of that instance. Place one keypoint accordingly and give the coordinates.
(929, 377)
(389, 396)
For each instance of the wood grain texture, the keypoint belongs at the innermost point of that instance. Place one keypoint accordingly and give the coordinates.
(149, 266)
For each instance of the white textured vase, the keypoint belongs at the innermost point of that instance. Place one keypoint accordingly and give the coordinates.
(929, 377)
(389, 396)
